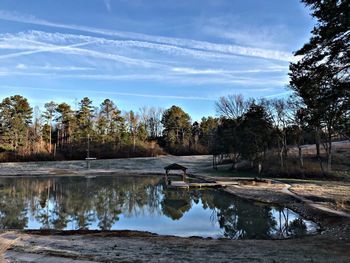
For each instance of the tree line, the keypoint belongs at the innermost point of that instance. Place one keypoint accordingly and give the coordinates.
(63, 132)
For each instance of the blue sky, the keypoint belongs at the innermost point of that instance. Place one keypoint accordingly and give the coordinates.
(155, 53)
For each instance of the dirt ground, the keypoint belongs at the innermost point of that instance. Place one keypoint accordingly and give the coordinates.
(331, 244)
(140, 247)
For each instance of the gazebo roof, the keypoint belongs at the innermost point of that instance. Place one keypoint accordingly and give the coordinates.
(175, 166)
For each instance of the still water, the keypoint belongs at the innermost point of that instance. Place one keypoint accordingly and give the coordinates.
(118, 203)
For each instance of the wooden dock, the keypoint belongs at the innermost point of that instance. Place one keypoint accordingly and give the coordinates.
(182, 184)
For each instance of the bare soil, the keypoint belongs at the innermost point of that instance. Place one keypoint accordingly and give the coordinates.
(118, 247)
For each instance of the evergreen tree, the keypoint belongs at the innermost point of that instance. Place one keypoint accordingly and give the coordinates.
(49, 116)
(15, 117)
(177, 126)
(65, 121)
(84, 118)
(254, 132)
(208, 128)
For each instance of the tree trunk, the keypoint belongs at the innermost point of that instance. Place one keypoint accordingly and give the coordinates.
(329, 162)
(329, 152)
(280, 153)
(58, 138)
(281, 157)
(318, 155)
(50, 149)
(260, 167)
(321, 164)
(301, 158)
(317, 141)
(285, 147)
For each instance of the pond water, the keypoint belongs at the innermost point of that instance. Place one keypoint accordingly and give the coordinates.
(140, 203)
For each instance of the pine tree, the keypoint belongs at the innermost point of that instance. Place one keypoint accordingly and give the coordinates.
(49, 115)
(15, 117)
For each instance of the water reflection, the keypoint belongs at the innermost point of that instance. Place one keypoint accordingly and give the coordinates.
(139, 204)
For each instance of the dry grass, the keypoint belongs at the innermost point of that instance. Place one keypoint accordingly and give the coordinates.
(312, 168)
(336, 195)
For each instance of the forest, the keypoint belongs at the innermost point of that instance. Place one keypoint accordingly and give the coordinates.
(261, 132)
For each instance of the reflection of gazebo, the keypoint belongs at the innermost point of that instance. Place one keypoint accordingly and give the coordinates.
(174, 166)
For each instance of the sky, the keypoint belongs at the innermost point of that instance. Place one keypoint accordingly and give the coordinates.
(149, 53)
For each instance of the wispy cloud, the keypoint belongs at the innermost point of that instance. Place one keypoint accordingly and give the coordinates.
(49, 67)
(248, 82)
(98, 92)
(195, 71)
(171, 41)
(8, 41)
(233, 30)
(39, 40)
(168, 68)
(52, 48)
(120, 55)
(282, 94)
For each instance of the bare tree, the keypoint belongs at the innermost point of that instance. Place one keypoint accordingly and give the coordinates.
(280, 114)
(133, 121)
(232, 106)
(151, 119)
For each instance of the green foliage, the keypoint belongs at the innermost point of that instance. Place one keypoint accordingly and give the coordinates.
(254, 133)
(84, 119)
(177, 127)
(208, 129)
(15, 116)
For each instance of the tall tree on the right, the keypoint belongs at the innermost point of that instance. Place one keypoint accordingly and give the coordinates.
(321, 77)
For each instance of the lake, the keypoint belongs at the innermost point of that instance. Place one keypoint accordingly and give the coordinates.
(143, 204)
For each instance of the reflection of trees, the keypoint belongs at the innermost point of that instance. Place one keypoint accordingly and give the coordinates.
(12, 209)
(287, 226)
(176, 203)
(107, 208)
(75, 202)
(297, 227)
(242, 219)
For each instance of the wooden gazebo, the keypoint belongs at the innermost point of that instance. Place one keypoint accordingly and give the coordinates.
(174, 166)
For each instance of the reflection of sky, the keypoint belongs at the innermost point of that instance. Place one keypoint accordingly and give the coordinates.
(284, 218)
(195, 222)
